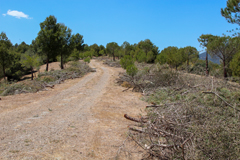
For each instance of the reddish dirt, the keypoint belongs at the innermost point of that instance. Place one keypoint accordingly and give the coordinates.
(79, 119)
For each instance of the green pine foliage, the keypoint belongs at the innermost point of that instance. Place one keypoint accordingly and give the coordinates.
(5, 58)
(131, 70)
(127, 60)
(87, 60)
(231, 12)
(15, 70)
(30, 60)
(141, 56)
(75, 55)
(235, 65)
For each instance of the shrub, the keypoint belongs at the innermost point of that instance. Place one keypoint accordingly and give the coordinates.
(235, 65)
(87, 60)
(23, 87)
(77, 69)
(126, 61)
(74, 56)
(141, 56)
(47, 78)
(131, 70)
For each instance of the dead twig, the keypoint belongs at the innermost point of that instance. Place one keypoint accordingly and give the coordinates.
(48, 85)
(136, 130)
(167, 104)
(182, 145)
(196, 86)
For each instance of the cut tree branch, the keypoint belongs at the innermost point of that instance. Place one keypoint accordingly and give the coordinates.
(167, 104)
(222, 100)
(134, 119)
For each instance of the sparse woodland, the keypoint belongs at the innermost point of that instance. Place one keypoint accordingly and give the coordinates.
(194, 110)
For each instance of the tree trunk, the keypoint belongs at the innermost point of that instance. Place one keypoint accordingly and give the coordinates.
(4, 74)
(187, 65)
(47, 65)
(32, 73)
(207, 71)
(113, 56)
(62, 62)
(224, 69)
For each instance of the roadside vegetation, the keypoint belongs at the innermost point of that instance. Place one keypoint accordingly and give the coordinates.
(45, 79)
(195, 111)
(190, 116)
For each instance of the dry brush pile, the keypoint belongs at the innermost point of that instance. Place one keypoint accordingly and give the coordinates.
(190, 117)
(45, 79)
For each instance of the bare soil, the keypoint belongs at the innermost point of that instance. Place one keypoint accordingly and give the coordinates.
(79, 119)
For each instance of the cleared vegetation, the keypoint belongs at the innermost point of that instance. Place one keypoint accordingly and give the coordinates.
(191, 116)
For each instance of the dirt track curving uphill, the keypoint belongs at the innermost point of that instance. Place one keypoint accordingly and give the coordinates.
(79, 119)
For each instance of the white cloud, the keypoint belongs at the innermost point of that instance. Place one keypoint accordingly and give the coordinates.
(17, 14)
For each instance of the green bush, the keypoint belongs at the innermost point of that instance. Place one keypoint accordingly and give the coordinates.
(16, 71)
(87, 60)
(126, 61)
(77, 69)
(141, 56)
(235, 65)
(48, 79)
(74, 56)
(199, 67)
(132, 70)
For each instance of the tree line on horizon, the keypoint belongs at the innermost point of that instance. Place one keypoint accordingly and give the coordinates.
(55, 42)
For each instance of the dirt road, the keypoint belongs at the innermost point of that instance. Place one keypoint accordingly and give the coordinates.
(79, 119)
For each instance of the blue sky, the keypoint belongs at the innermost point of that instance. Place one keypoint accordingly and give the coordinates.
(165, 22)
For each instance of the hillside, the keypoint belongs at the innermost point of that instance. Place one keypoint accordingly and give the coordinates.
(214, 59)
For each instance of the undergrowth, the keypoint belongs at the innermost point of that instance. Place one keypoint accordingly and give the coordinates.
(45, 79)
(191, 117)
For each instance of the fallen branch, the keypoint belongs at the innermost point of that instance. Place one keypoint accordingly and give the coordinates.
(126, 89)
(221, 99)
(167, 104)
(48, 85)
(122, 146)
(182, 146)
(164, 133)
(134, 119)
(136, 130)
(155, 106)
